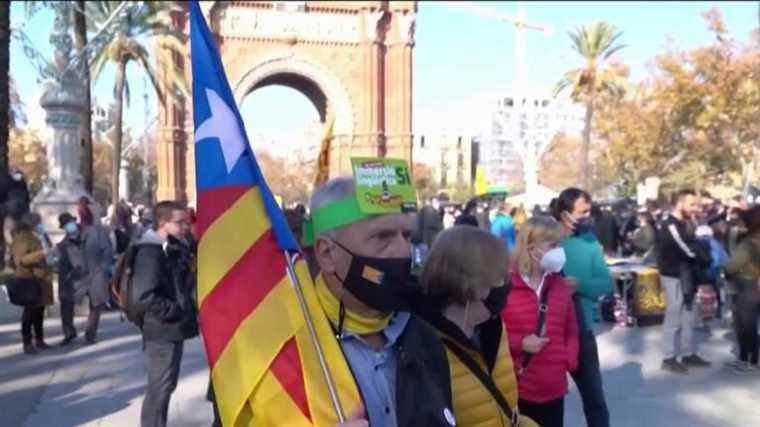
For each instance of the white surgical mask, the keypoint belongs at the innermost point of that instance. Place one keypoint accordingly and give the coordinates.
(553, 261)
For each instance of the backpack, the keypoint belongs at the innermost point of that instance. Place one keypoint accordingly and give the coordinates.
(703, 252)
(121, 284)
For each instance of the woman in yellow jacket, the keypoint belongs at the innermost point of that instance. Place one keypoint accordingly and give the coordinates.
(462, 277)
(29, 260)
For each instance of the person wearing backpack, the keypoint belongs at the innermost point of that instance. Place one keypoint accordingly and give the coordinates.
(679, 257)
(161, 293)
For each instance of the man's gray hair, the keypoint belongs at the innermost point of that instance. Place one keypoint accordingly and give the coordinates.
(333, 190)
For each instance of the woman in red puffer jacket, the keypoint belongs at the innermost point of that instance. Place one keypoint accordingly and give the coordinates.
(541, 358)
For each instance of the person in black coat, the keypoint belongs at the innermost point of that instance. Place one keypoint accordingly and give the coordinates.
(678, 256)
(606, 229)
(468, 216)
(17, 202)
(162, 292)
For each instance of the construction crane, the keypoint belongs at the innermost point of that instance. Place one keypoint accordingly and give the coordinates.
(520, 24)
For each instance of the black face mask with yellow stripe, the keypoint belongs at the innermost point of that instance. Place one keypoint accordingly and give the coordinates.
(379, 283)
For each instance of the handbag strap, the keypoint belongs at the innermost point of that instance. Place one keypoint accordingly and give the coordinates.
(543, 307)
(485, 379)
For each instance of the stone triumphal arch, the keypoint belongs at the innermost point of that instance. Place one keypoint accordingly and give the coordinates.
(351, 59)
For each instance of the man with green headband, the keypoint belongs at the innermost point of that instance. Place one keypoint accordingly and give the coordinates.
(397, 361)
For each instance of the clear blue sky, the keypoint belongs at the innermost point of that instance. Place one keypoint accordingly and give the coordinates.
(461, 60)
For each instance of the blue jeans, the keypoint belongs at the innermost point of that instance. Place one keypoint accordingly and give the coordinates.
(588, 377)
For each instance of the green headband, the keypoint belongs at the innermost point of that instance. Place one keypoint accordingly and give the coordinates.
(331, 216)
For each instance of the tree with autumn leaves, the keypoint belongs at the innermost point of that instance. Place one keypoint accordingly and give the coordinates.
(695, 121)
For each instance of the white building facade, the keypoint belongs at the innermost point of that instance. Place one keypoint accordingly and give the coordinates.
(448, 155)
(520, 130)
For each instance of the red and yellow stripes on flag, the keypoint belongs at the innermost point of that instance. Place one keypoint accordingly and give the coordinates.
(323, 161)
(263, 364)
(311, 402)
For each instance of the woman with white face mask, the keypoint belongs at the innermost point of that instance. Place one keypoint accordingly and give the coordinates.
(463, 286)
(540, 318)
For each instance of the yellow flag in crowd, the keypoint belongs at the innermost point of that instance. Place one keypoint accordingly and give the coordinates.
(481, 183)
(323, 161)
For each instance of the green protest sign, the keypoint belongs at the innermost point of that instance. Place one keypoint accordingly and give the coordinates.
(383, 185)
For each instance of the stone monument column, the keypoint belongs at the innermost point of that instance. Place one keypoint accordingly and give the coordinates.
(399, 45)
(64, 103)
(175, 126)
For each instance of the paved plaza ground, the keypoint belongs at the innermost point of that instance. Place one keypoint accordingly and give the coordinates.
(102, 384)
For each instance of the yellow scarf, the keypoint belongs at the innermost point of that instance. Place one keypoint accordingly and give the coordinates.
(352, 322)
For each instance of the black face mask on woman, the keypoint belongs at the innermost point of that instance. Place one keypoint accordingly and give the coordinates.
(497, 299)
(379, 283)
(583, 226)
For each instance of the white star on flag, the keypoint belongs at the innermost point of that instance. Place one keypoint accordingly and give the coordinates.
(223, 125)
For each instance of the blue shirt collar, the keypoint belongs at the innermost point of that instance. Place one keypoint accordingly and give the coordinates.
(391, 332)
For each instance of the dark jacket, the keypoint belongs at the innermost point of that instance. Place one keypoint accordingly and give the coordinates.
(466, 219)
(744, 265)
(681, 255)
(422, 370)
(17, 198)
(72, 269)
(163, 289)
(427, 226)
(98, 257)
(606, 229)
(676, 246)
(473, 403)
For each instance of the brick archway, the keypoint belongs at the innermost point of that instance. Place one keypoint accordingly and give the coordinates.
(351, 59)
(314, 81)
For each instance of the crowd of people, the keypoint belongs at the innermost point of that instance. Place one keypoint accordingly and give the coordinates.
(513, 298)
(702, 247)
(484, 332)
(156, 248)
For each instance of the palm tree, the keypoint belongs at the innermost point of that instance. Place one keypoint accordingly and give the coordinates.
(595, 43)
(80, 41)
(128, 45)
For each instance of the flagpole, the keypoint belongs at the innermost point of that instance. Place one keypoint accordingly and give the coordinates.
(334, 398)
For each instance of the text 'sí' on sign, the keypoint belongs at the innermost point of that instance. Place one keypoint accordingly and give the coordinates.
(383, 185)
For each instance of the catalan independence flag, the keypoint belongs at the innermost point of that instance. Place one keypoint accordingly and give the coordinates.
(264, 367)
